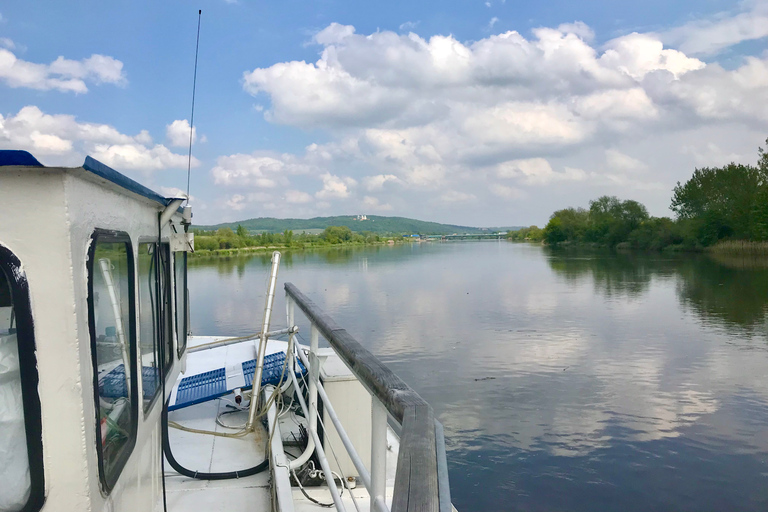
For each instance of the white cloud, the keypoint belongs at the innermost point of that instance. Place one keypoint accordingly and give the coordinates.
(334, 187)
(138, 157)
(537, 171)
(639, 54)
(175, 192)
(708, 36)
(409, 115)
(409, 25)
(61, 74)
(334, 33)
(377, 182)
(297, 197)
(236, 202)
(493, 21)
(454, 196)
(505, 191)
(373, 203)
(260, 170)
(7, 43)
(177, 133)
(620, 161)
(65, 141)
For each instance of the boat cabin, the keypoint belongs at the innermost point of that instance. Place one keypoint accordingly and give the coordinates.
(93, 329)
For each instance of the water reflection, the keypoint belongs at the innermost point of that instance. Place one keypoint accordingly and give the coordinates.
(565, 381)
(728, 291)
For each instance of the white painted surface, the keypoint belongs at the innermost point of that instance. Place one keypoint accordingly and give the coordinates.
(48, 216)
(352, 404)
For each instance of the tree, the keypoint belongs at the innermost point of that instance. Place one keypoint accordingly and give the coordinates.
(337, 234)
(725, 199)
(554, 232)
(288, 237)
(241, 231)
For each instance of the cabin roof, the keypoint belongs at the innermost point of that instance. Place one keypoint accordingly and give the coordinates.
(25, 159)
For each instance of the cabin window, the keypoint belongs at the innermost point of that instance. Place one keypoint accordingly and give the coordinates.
(113, 349)
(149, 347)
(180, 269)
(165, 304)
(21, 451)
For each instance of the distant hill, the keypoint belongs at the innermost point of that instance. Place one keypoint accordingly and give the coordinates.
(373, 223)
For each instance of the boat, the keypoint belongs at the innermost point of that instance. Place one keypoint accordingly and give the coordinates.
(108, 402)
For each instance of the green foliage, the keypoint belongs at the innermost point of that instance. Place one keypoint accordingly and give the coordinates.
(529, 234)
(570, 224)
(337, 234)
(716, 204)
(725, 198)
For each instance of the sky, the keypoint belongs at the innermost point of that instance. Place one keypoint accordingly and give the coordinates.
(483, 113)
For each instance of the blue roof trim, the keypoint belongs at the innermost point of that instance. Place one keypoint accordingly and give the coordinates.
(127, 183)
(18, 157)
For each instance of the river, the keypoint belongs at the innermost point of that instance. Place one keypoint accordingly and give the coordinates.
(573, 381)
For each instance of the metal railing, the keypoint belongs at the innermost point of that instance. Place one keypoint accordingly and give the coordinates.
(421, 478)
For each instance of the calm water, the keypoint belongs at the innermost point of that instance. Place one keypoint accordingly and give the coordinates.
(565, 381)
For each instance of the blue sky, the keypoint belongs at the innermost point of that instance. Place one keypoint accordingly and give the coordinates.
(473, 112)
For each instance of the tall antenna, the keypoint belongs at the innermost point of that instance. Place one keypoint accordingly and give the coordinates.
(192, 117)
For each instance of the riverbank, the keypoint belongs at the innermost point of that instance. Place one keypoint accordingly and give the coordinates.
(293, 248)
(726, 247)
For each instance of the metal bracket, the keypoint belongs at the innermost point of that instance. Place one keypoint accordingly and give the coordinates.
(182, 242)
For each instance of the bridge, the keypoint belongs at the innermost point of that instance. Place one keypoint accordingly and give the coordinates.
(466, 236)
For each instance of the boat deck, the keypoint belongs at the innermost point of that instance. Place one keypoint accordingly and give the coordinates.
(208, 453)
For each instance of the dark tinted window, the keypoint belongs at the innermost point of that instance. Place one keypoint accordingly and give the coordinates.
(113, 346)
(21, 458)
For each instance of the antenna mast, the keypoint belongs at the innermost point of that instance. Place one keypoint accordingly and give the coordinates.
(192, 116)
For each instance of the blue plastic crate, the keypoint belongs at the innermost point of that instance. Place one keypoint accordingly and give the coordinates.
(210, 385)
(113, 384)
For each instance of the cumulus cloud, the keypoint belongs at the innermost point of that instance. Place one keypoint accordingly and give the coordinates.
(373, 203)
(537, 171)
(707, 36)
(505, 191)
(61, 74)
(334, 187)
(623, 162)
(454, 196)
(259, 170)
(297, 197)
(177, 133)
(62, 140)
(407, 114)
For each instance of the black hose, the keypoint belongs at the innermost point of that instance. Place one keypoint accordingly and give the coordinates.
(198, 474)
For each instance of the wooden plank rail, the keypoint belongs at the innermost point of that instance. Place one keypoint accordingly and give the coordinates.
(421, 479)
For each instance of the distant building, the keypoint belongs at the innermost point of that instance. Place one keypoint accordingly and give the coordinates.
(361, 217)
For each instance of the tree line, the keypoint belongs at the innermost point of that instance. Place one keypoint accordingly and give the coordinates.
(715, 205)
(225, 238)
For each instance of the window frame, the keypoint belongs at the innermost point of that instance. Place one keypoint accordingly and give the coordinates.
(112, 236)
(155, 328)
(181, 317)
(166, 322)
(28, 374)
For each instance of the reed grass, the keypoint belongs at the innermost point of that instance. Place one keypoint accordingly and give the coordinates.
(740, 247)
